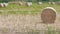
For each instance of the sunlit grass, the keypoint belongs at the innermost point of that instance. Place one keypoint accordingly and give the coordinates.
(34, 9)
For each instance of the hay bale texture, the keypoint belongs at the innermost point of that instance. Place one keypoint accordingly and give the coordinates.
(48, 15)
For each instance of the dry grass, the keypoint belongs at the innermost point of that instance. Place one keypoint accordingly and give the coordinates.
(17, 22)
(20, 23)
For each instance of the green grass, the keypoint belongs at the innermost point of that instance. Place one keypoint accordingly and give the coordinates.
(34, 9)
(51, 31)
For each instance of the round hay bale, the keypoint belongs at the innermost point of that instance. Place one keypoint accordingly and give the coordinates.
(5, 4)
(39, 3)
(29, 3)
(58, 3)
(20, 3)
(51, 2)
(1, 5)
(48, 15)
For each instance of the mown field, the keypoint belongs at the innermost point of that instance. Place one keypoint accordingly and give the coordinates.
(15, 19)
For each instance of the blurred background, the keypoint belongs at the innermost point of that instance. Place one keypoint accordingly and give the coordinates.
(30, 0)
